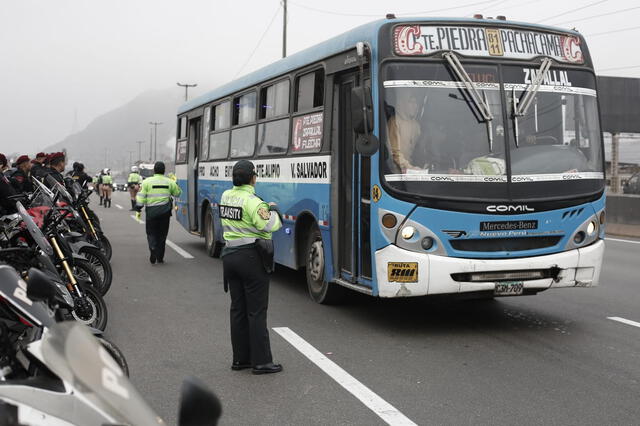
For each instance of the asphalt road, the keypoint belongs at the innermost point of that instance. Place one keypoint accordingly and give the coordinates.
(554, 358)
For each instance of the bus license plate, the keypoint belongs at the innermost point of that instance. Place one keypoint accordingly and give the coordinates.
(509, 288)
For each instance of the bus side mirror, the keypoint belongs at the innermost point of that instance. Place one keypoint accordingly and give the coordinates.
(367, 143)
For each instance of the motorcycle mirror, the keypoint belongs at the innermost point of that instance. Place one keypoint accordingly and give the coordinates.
(198, 405)
(40, 286)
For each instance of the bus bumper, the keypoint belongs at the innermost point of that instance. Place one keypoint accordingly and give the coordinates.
(403, 273)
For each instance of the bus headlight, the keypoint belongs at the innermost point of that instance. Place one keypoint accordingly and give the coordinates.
(408, 232)
(579, 237)
(602, 217)
(389, 221)
(426, 243)
(592, 227)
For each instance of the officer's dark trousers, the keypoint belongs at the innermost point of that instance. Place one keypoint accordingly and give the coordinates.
(249, 287)
(157, 230)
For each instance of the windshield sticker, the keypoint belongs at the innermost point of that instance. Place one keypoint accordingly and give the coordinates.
(438, 84)
(556, 177)
(553, 89)
(421, 40)
(425, 177)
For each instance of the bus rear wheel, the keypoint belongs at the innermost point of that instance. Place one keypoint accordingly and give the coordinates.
(320, 290)
(213, 247)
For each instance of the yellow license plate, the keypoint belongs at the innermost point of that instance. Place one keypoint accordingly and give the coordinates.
(402, 272)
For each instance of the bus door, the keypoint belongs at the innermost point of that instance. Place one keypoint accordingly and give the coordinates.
(354, 257)
(195, 133)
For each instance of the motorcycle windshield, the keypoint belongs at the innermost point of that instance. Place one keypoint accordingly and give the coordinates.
(64, 194)
(13, 290)
(71, 352)
(33, 229)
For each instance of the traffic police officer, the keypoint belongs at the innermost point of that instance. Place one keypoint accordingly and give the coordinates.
(247, 222)
(21, 177)
(107, 187)
(156, 194)
(133, 182)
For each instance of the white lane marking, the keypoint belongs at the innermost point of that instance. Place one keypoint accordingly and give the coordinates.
(133, 216)
(182, 252)
(625, 321)
(622, 241)
(179, 250)
(379, 406)
(119, 206)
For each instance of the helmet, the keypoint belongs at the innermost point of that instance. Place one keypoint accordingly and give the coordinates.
(134, 169)
(105, 171)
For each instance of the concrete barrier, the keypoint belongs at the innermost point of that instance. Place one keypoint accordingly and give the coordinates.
(623, 209)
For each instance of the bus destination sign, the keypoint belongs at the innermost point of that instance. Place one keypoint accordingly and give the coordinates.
(422, 40)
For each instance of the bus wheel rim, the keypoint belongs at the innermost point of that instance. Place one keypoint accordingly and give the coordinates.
(316, 261)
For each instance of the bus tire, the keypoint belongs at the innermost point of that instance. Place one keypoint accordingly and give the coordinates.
(212, 246)
(320, 290)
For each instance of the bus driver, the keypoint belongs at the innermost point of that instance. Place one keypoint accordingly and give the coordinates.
(404, 130)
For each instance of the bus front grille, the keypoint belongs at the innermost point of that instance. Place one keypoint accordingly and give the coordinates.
(505, 244)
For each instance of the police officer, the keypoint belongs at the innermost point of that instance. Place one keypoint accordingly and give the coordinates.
(133, 183)
(21, 178)
(79, 175)
(3, 163)
(37, 165)
(155, 194)
(247, 221)
(56, 167)
(106, 187)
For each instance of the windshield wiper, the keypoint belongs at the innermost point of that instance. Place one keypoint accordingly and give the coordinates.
(478, 100)
(533, 89)
(520, 108)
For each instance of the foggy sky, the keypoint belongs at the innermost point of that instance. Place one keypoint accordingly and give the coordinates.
(59, 57)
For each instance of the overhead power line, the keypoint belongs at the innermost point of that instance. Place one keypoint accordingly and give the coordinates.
(619, 68)
(615, 12)
(613, 31)
(255, 49)
(574, 10)
(378, 15)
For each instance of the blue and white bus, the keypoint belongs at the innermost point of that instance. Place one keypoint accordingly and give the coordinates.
(414, 157)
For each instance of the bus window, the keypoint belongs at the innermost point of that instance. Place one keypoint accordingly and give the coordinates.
(182, 128)
(219, 145)
(243, 142)
(221, 116)
(244, 109)
(273, 137)
(274, 100)
(204, 151)
(310, 90)
(181, 152)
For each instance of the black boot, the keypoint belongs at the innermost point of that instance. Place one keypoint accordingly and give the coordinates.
(100, 200)
(133, 205)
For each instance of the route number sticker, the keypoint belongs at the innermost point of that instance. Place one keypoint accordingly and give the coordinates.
(376, 193)
(402, 272)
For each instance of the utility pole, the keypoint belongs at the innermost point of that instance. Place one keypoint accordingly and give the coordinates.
(186, 89)
(131, 158)
(155, 125)
(139, 150)
(615, 155)
(150, 144)
(105, 158)
(284, 28)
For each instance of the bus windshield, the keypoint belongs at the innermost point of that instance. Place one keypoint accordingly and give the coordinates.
(438, 142)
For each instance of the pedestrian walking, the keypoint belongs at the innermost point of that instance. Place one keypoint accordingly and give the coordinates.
(133, 183)
(155, 195)
(107, 188)
(247, 258)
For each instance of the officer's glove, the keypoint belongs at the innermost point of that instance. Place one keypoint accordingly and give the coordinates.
(173, 177)
(138, 216)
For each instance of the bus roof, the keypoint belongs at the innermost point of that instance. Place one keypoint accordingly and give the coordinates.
(365, 33)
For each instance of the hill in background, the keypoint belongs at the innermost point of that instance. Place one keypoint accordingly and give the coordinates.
(108, 139)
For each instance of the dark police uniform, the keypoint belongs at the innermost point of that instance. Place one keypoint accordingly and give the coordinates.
(246, 219)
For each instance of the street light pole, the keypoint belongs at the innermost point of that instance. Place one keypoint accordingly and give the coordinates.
(186, 89)
(284, 28)
(131, 157)
(139, 150)
(155, 125)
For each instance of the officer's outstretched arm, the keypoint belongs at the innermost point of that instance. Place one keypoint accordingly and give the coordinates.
(265, 220)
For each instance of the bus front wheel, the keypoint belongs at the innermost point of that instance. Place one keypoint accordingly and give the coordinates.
(213, 247)
(320, 290)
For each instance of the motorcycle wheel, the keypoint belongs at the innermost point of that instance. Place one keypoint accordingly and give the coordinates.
(105, 246)
(86, 273)
(116, 354)
(101, 265)
(98, 316)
